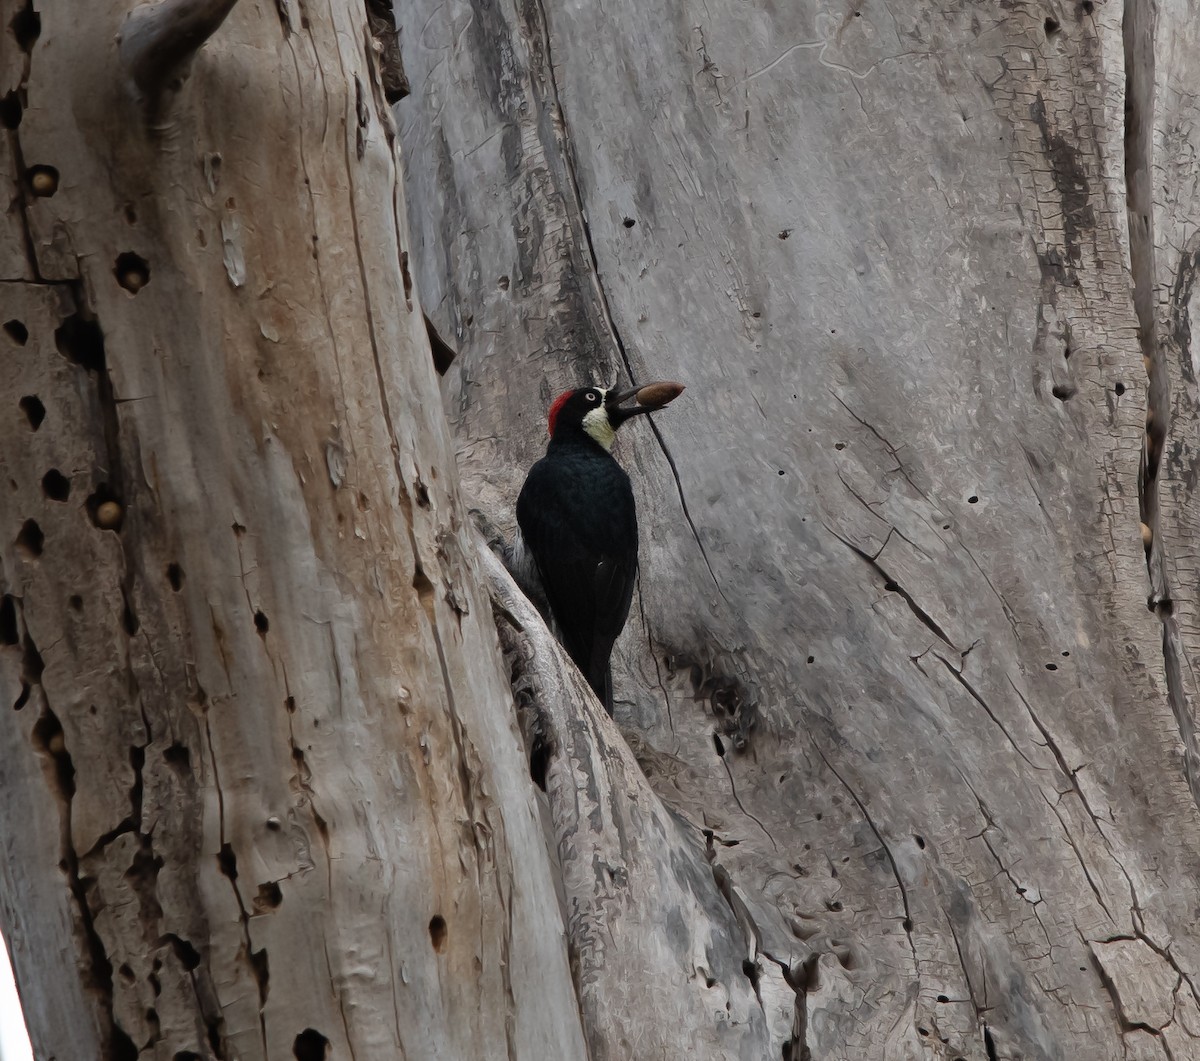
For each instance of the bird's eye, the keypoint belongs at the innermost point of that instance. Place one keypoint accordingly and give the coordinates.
(591, 397)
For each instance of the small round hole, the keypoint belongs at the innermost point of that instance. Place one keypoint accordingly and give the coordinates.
(175, 576)
(132, 272)
(973, 499)
(629, 222)
(1119, 388)
(1063, 391)
(30, 539)
(261, 624)
(1051, 666)
(437, 932)
(17, 332)
(1065, 653)
(34, 410)
(920, 842)
(1051, 26)
(56, 486)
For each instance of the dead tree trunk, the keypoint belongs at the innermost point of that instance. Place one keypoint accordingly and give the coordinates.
(892, 661)
(261, 791)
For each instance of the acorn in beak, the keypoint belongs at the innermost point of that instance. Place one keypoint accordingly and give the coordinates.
(647, 398)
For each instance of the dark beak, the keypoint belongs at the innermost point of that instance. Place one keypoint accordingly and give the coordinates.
(621, 405)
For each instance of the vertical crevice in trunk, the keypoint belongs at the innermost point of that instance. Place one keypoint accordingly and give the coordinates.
(1138, 28)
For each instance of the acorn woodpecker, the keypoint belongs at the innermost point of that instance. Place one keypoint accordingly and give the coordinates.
(577, 537)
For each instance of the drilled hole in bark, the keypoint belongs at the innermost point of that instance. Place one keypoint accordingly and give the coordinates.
(132, 271)
(1119, 388)
(188, 956)
(125, 972)
(47, 737)
(177, 756)
(269, 896)
(75, 602)
(437, 932)
(922, 1031)
(227, 860)
(11, 110)
(629, 222)
(16, 331)
(1063, 391)
(719, 745)
(834, 904)
(261, 624)
(812, 659)
(42, 181)
(784, 233)
(973, 499)
(1065, 653)
(55, 485)
(310, 1045)
(1051, 27)
(175, 576)
(8, 621)
(920, 841)
(891, 586)
(81, 342)
(105, 510)
(906, 924)
(943, 998)
(30, 540)
(1051, 666)
(26, 26)
(34, 410)
(290, 704)
(1088, 7)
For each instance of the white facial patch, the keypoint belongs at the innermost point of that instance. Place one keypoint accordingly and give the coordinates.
(597, 424)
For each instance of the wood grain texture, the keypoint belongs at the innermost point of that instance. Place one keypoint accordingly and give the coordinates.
(891, 646)
(261, 789)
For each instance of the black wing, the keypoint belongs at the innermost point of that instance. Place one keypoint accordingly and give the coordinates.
(578, 523)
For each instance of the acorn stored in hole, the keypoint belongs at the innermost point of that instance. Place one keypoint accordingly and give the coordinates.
(658, 395)
(43, 181)
(108, 515)
(1147, 536)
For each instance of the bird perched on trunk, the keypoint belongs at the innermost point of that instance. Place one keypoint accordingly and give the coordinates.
(577, 537)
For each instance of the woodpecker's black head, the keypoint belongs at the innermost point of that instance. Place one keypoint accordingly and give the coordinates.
(597, 412)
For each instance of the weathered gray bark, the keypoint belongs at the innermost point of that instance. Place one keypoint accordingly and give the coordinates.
(261, 790)
(891, 652)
